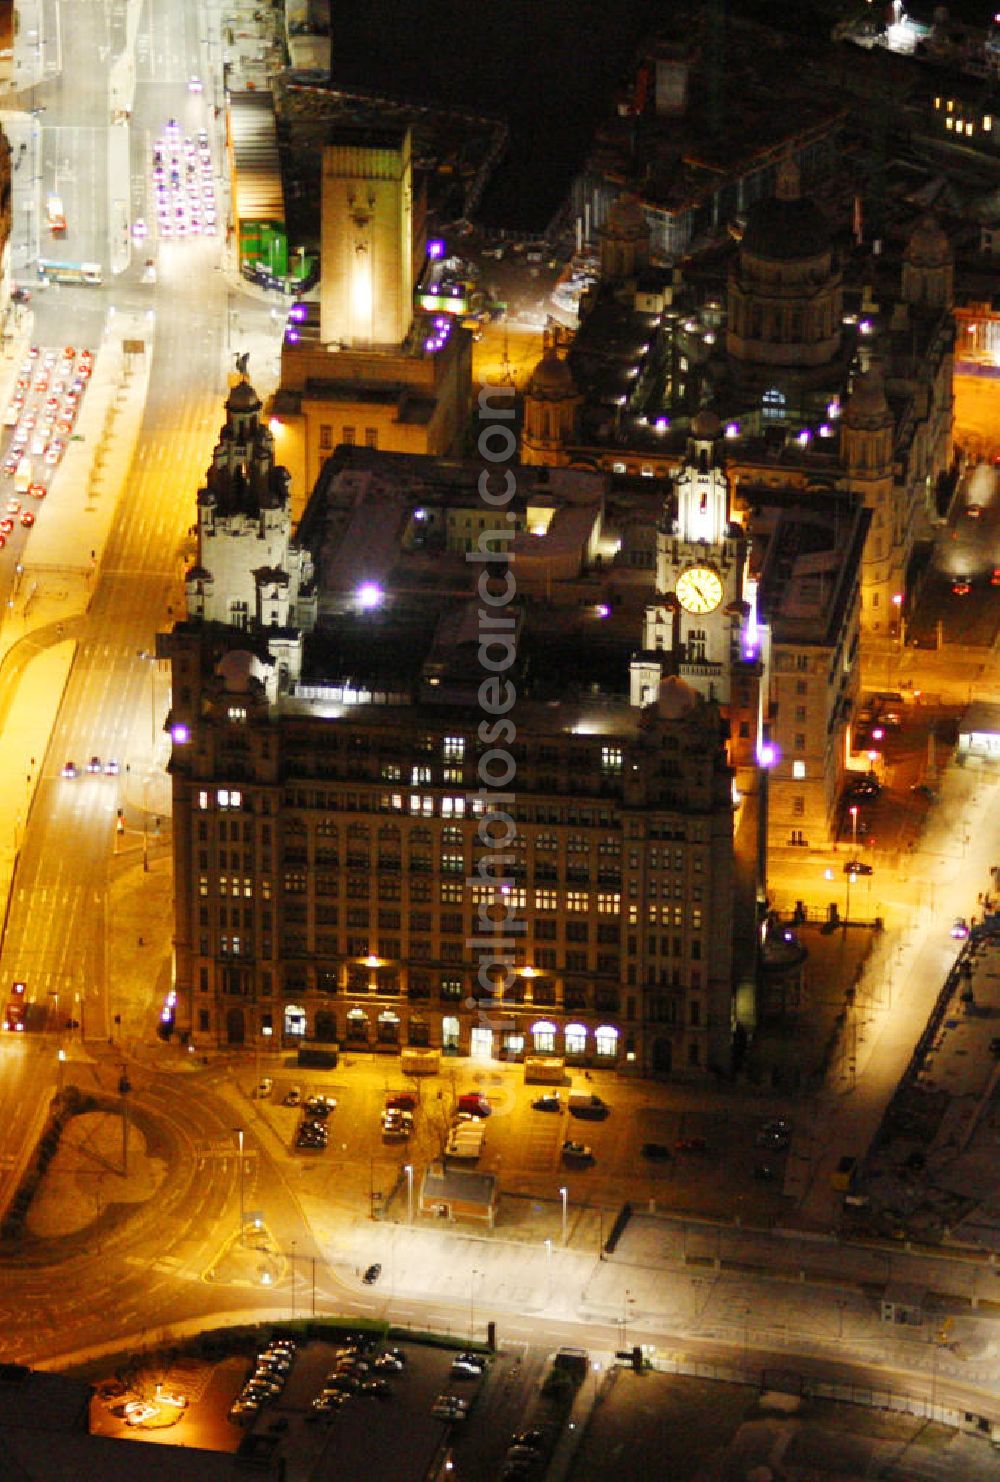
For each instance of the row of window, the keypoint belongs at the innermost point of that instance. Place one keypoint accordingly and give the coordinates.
(348, 435)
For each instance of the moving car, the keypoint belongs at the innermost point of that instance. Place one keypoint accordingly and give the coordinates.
(264, 1087)
(857, 867)
(372, 1274)
(658, 1151)
(961, 586)
(776, 1134)
(94, 765)
(69, 770)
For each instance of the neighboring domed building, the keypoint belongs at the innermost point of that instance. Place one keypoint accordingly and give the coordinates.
(624, 240)
(551, 403)
(785, 288)
(928, 266)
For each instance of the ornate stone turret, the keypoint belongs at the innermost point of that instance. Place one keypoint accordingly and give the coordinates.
(928, 266)
(624, 240)
(248, 573)
(551, 403)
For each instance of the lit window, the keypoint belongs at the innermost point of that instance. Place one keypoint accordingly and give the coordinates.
(202, 884)
(577, 900)
(420, 774)
(611, 759)
(576, 1039)
(237, 713)
(454, 748)
(609, 903)
(798, 770)
(546, 900)
(544, 1035)
(617, 468)
(203, 800)
(452, 807)
(606, 1037)
(228, 798)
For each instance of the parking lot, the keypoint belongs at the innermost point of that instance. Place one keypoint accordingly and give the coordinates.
(360, 1168)
(387, 1437)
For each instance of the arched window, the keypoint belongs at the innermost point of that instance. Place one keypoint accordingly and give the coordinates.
(295, 1020)
(606, 1037)
(576, 1039)
(544, 1035)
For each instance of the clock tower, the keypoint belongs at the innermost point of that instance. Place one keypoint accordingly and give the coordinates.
(694, 624)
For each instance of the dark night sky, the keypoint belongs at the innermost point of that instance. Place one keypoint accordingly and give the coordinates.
(547, 66)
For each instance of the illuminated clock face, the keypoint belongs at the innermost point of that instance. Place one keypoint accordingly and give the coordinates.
(699, 589)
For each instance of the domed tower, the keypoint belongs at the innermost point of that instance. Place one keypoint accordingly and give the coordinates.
(249, 573)
(551, 403)
(928, 266)
(624, 240)
(785, 288)
(866, 442)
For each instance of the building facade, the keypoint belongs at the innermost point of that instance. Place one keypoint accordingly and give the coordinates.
(337, 875)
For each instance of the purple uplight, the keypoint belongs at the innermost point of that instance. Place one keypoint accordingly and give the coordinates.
(292, 336)
(435, 247)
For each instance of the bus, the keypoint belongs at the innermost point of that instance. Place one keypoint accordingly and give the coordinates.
(69, 272)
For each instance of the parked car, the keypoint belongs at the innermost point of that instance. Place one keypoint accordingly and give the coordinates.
(577, 1152)
(401, 1101)
(293, 1097)
(857, 867)
(264, 1088)
(656, 1151)
(550, 1101)
(475, 1103)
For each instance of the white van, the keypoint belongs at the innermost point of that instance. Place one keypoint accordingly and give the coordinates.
(22, 477)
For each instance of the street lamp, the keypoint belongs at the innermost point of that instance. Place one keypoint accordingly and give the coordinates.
(853, 810)
(472, 1303)
(124, 1087)
(61, 1057)
(239, 1139)
(408, 1170)
(265, 1034)
(548, 1266)
(564, 1196)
